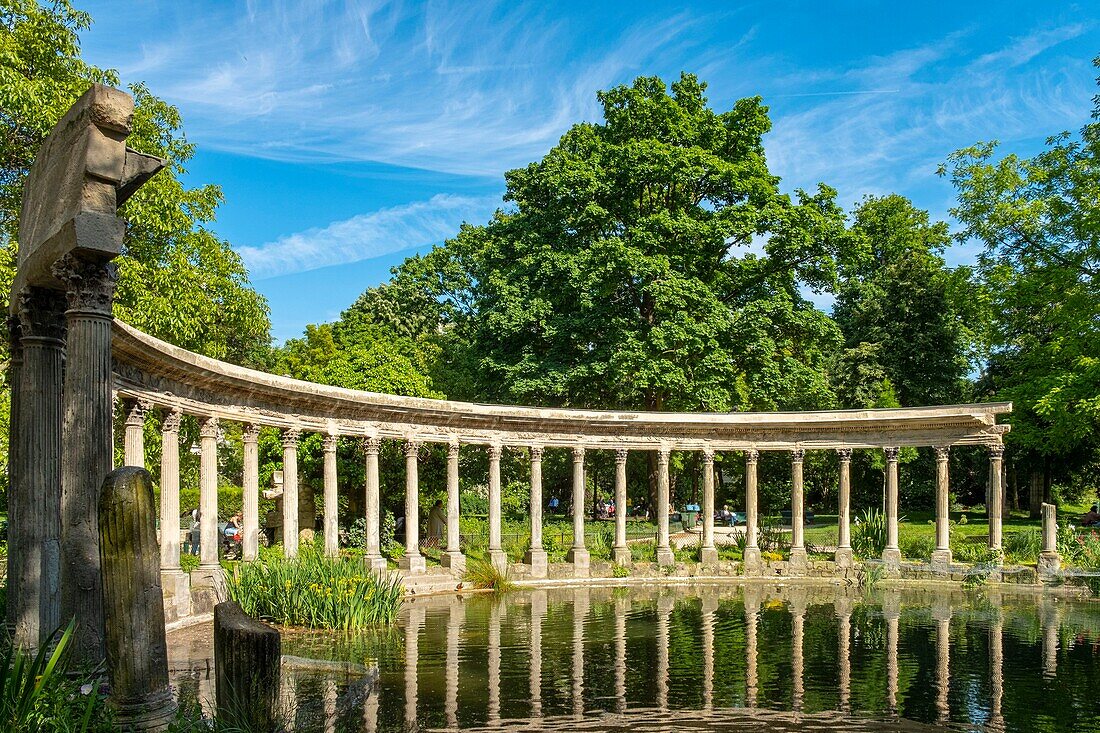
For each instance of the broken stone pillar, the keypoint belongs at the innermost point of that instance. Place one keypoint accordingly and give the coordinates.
(452, 557)
(843, 555)
(536, 556)
(496, 552)
(133, 452)
(665, 557)
(1050, 562)
(708, 553)
(250, 480)
(137, 654)
(247, 659)
(752, 549)
(620, 553)
(290, 491)
(578, 553)
(412, 561)
(941, 556)
(798, 521)
(891, 556)
(175, 584)
(332, 525)
(372, 555)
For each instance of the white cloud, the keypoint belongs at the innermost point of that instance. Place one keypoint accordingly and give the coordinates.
(367, 236)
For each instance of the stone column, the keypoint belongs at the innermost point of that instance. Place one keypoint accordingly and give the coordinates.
(843, 554)
(170, 491)
(35, 493)
(332, 522)
(798, 521)
(891, 556)
(372, 554)
(250, 533)
(452, 557)
(665, 557)
(996, 496)
(133, 450)
(290, 491)
(208, 496)
(87, 445)
(752, 550)
(412, 561)
(1050, 562)
(578, 555)
(620, 553)
(708, 553)
(538, 612)
(536, 556)
(941, 556)
(496, 553)
(18, 500)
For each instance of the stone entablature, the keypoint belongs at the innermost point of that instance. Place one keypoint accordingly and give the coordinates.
(168, 376)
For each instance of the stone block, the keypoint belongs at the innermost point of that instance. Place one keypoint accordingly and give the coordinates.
(621, 555)
(537, 561)
(413, 564)
(499, 560)
(176, 585)
(453, 561)
(941, 561)
(891, 558)
(1049, 565)
(708, 556)
(582, 562)
(798, 562)
(665, 557)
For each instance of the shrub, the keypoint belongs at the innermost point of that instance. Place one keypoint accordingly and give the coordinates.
(643, 551)
(386, 542)
(974, 552)
(919, 548)
(620, 571)
(1024, 546)
(483, 575)
(316, 591)
(188, 562)
(869, 534)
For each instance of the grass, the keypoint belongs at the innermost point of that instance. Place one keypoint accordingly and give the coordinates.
(483, 575)
(316, 591)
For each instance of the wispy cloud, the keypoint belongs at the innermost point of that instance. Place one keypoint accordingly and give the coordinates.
(366, 236)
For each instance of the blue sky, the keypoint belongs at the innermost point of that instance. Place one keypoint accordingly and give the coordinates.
(347, 136)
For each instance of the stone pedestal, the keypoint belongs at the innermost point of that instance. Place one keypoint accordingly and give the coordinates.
(581, 561)
(941, 561)
(844, 557)
(665, 557)
(752, 561)
(414, 564)
(1049, 565)
(176, 586)
(621, 555)
(798, 561)
(207, 589)
(454, 561)
(891, 558)
(538, 562)
(247, 659)
(498, 559)
(708, 556)
(377, 563)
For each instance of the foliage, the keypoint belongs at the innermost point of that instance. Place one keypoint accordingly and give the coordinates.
(620, 571)
(869, 534)
(645, 551)
(870, 574)
(484, 575)
(919, 548)
(1023, 546)
(977, 553)
(977, 576)
(315, 591)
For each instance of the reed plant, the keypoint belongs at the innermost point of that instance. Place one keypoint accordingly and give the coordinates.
(316, 591)
(483, 575)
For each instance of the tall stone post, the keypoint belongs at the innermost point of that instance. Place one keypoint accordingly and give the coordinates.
(752, 548)
(133, 450)
(891, 556)
(620, 553)
(137, 654)
(372, 554)
(665, 557)
(1050, 562)
(250, 534)
(996, 496)
(578, 555)
(332, 524)
(34, 527)
(941, 556)
(843, 554)
(412, 561)
(453, 558)
(798, 521)
(708, 553)
(536, 556)
(87, 447)
(291, 436)
(208, 499)
(496, 552)
(18, 501)
(174, 583)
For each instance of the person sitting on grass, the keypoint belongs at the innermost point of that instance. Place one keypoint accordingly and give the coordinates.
(1091, 518)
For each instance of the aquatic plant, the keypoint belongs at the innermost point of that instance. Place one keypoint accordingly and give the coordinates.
(316, 591)
(869, 534)
(870, 575)
(484, 575)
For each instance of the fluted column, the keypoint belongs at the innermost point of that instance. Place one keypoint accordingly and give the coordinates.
(35, 499)
(453, 558)
(752, 549)
(665, 557)
(250, 534)
(843, 554)
(996, 496)
(941, 556)
(1050, 562)
(536, 556)
(708, 553)
(291, 437)
(372, 554)
(496, 552)
(332, 523)
(578, 555)
(412, 561)
(133, 450)
(170, 491)
(798, 523)
(87, 445)
(620, 553)
(208, 495)
(891, 556)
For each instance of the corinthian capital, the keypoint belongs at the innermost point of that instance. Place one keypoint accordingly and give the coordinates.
(209, 428)
(135, 412)
(943, 452)
(41, 314)
(250, 433)
(844, 454)
(89, 284)
(291, 436)
(891, 453)
(330, 443)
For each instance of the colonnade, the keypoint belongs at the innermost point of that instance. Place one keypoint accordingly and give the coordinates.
(413, 560)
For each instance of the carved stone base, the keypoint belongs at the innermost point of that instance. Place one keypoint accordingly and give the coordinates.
(153, 713)
(844, 557)
(665, 557)
(941, 561)
(538, 562)
(413, 564)
(1049, 565)
(176, 586)
(456, 561)
(752, 561)
(798, 561)
(377, 563)
(581, 562)
(708, 556)
(891, 558)
(499, 560)
(621, 555)
(207, 589)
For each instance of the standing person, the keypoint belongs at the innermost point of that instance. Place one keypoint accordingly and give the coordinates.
(196, 531)
(437, 521)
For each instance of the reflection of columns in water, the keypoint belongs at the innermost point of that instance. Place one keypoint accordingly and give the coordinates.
(752, 611)
(843, 607)
(798, 623)
(580, 612)
(665, 605)
(942, 613)
(890, 610)
(996, 673)
(330, 705)
(710, 605)
(538, 612)
(454, 632)
(622, 605)
(494, 662)
(1050, 638)
(412, 653)
(370, 708)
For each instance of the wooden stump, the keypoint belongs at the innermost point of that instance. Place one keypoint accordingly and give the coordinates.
(247, 657)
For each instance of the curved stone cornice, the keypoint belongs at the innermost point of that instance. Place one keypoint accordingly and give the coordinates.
(172, 377)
